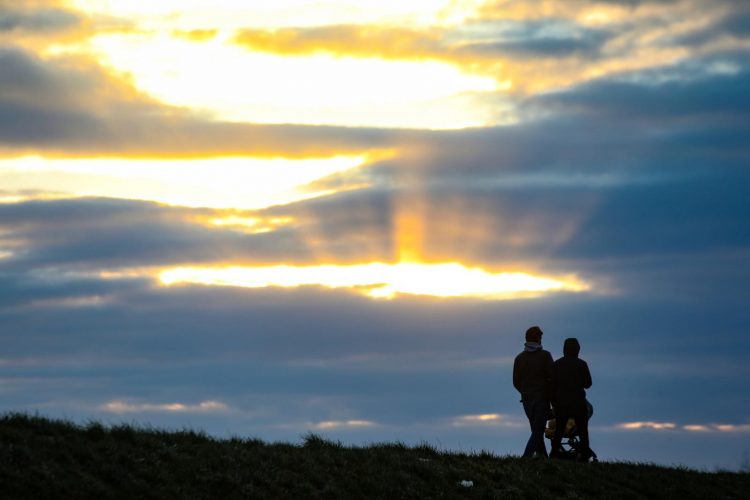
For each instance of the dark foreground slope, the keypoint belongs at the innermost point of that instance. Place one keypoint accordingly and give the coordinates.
(40, 458)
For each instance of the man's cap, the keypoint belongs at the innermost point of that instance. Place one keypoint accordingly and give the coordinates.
(534, 334)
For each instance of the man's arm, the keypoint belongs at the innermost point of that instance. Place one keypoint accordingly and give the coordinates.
(517, 375)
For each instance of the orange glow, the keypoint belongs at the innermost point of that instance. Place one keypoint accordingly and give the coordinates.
(409, 231)
(350, 41)
(196, 35)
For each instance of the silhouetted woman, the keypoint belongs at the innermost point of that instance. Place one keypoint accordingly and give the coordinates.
(570, 379)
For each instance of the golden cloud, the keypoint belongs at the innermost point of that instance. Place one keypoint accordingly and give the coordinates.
(198, 35)
(519, 61)
(386, 42)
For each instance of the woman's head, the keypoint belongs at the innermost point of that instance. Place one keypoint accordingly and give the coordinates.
(571, 347)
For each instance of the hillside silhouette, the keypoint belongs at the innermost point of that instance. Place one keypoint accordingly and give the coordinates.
(43, 458)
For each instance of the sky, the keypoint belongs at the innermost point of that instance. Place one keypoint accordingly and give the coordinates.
(264, 219)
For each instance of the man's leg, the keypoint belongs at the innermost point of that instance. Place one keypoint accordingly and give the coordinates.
(539, 422)
(528, 407)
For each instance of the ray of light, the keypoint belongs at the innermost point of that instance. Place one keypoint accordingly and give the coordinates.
(381, 280)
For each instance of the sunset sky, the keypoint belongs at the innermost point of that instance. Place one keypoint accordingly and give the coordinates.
(267, 218)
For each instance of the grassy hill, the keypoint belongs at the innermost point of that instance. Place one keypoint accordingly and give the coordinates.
(41, 458)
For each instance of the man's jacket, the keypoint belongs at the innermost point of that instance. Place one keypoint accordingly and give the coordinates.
(532, 374)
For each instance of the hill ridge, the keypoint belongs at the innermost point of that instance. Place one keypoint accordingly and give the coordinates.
(45, 458)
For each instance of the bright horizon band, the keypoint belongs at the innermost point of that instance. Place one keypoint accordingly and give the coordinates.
(382, 281)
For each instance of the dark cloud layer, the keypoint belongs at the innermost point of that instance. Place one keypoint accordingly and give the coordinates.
(537, 39)
(43, 20)
(734, 23)
(102, 233)
(719, 98)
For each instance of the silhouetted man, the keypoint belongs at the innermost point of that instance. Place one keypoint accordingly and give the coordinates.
(570, 379)
(532, 376)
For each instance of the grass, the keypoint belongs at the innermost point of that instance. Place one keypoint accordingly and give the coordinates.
(42, 458)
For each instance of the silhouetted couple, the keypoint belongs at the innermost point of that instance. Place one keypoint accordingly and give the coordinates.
(563, 383)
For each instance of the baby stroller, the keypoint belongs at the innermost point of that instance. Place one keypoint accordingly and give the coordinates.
(570, 447)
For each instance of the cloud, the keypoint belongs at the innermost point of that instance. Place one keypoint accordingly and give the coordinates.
(343, 424)
(734, 22)
(494, 48)
(539, 48)
(383, 281)
(696, 428)
(117, 406)
(220, 183)
(49, 115)
(689, 96)
(41, 290)
(37, 26)
(487, 419)
(531, 50)
(196, 35)
(597, 11)
(730, 427)
(657, 426)
(73, 107)
(565, 229)
(43, 20)
(345, 40)
(126, 122)
(672, 426)
(59, 102)
(469, 45)
(122, 234)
